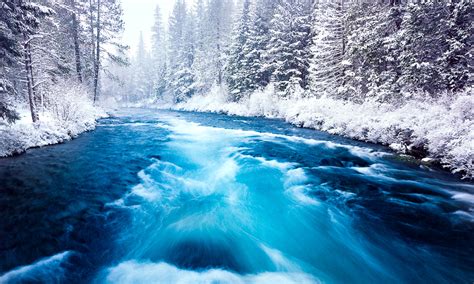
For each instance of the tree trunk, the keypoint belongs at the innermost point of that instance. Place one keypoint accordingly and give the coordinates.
(30, 80)
(92, 35)
(97, 55)
(75, 35)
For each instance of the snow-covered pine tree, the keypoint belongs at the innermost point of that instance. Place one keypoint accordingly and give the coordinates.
(75, 29)
(372, 52)
(423, 37)
(289, 45)
(201, 57)
(219, 26)
(260, 71)
(68, 35)
(159, 54)
(28, 21)
(458, 59)
(186, 76)
(238, 67)
(181, 55)
(329, 44)
(10, 56)
(142, 74)
(176, 34)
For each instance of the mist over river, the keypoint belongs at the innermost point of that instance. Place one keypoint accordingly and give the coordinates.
(166, 197)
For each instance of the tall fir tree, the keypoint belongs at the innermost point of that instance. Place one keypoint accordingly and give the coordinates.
(260, 71)
(238, 66)
(423, 29)
(329, 44)
(290, 42)
(181, 57)
(159, 51)
(458, 60)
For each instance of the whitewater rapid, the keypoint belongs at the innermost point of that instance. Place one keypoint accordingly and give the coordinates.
(189, 198)
(212, 210)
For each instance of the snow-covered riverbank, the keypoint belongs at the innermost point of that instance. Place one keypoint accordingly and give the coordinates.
(439, 130)
(23, 134)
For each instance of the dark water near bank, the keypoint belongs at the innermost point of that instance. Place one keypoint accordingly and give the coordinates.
(164, 197)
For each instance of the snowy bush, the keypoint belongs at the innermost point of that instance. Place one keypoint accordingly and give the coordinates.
(441, 128)
(68, 111)
(69, 102)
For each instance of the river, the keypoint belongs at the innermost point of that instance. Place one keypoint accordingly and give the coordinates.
(164, 197)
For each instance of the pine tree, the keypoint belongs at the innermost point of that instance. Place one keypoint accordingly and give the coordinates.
(458, 59)
(159, 54)
(260, 71)
(75, 29)
(329, 44)
(422, 36)
(238, 66)
(142, 74)
(181, 57)
(29, 24)
(10, 54)
(203, 74)
(289, 46)
(371, 66)
(219, 26)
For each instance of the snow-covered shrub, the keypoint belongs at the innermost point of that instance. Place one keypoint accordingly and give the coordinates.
(214, 101)
(68, 101)
(262, 103)
(68, 111)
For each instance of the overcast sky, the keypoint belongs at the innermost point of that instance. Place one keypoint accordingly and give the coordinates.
(138, 16)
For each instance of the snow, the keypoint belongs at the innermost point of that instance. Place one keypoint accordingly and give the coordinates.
(22, 135)
(69, 113)
(443, 126)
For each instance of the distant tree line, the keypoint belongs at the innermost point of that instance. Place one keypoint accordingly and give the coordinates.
(385, 50)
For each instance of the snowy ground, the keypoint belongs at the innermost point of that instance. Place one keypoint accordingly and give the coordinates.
(440, 130)
(51, 129)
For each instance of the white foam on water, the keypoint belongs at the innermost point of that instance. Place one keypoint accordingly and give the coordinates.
(465, 215)
(145, 192)
(367, 152)
(43, 271)
(147, 189)
(135, 272)
(227, 170)
(374, 170)
(380, 171)
(282, 166)
(295, 177)
(295, 184)
(465, 197)
(299, 193)
(281, 262)
(197, 130)
(162, 125)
